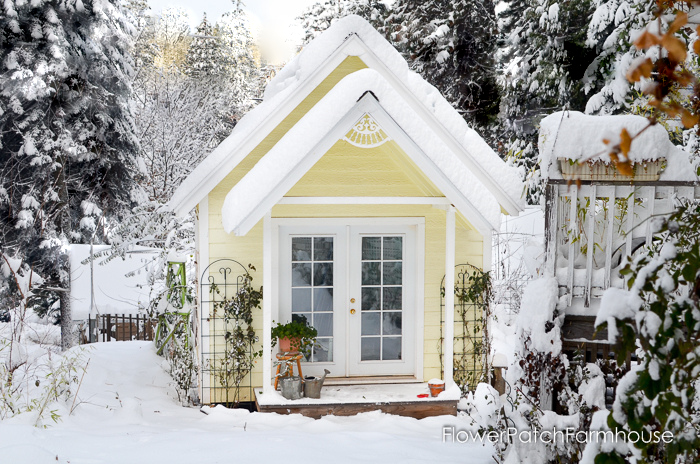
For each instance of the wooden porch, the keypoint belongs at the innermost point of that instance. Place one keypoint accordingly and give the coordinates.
(348, 400)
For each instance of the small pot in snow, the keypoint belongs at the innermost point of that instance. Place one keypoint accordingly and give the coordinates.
(436, 386)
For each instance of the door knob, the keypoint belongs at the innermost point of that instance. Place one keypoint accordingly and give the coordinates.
(352, 311)
(352, 300)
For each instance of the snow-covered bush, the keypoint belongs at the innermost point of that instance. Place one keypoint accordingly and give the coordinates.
(35, 377)
(540, 374)
(658, 316)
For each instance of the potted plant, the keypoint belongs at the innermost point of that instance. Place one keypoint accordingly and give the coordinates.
(297, 335)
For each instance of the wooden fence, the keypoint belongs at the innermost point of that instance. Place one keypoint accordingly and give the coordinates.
(118, 327)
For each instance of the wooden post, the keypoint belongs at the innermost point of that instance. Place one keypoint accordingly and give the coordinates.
(551, 218)
(267, 303)
(590, 244)
(448, 342)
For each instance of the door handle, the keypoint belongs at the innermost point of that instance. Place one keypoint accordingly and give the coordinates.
(352, 311)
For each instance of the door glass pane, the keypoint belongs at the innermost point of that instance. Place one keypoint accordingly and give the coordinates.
(391, 348)
(323, 249)
(323, 274)
(370, 299)
(322, 350)
(301, 300)
(371, 274)
(382, 298)
(371, 248)
(392, 273)
(370, 349)
(303, 318)
(393, 247)
(392, 297)
(323, 322)
(391, 323)
(323, 299)
(370, 323)
(301, 275)
(312, 291)
(301, 248)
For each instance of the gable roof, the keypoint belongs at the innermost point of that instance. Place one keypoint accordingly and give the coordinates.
(475, 176)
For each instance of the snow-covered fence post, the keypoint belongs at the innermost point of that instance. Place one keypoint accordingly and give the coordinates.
(67, 332)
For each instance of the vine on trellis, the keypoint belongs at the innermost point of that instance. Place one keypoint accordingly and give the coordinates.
(473, 294)
(239, 356)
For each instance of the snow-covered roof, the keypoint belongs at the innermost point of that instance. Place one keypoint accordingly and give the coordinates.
(580, 137)
(478, 178)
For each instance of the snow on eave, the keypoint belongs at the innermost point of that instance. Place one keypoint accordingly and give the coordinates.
(271, 177)
(350, 36)
(575, 136)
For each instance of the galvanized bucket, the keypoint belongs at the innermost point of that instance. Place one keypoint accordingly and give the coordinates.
(291, 387)
(312, 385)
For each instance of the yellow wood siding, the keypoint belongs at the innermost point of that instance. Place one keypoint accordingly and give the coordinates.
(346, 170)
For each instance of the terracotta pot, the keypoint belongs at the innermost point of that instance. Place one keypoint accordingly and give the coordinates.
(436, 388)
(288, 345)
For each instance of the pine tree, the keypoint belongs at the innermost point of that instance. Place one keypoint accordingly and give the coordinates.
(319, 16)
(67, 156)
(609, 34)
(452, 44)
(205, 55)
(547, 58)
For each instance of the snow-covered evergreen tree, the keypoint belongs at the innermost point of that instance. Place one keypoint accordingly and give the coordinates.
(68, 151)
(319, 16)
(184, 113)
(205, 55)
(185, 104)
(611, 31)
(452, 44)
(547, 60)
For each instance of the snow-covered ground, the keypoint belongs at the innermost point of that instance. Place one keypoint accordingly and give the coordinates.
(127, 412)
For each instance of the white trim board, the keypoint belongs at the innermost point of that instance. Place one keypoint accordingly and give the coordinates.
(363, 201)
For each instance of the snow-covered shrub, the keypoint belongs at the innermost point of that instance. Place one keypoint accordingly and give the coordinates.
(540, 373)
(659, 317)
(486, 410)
(37, 379)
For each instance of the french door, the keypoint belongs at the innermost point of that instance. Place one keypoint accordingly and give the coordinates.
(356, 284)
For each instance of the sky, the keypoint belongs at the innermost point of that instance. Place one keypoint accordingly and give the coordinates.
(273, 21)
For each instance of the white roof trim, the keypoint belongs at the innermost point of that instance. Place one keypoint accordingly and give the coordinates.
(354, 37)
(317, 132)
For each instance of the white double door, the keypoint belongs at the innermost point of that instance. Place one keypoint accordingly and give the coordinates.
(356, 284)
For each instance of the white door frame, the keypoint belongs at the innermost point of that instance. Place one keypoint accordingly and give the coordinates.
(317, 226)
(405, 366)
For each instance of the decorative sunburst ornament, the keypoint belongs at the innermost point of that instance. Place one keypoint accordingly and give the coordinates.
(366, 133)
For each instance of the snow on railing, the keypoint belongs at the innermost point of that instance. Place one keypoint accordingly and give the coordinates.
(591, 227)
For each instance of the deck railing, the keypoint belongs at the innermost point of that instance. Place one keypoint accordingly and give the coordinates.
(591, 227)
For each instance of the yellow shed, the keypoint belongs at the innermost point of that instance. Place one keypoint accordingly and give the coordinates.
(352, 188)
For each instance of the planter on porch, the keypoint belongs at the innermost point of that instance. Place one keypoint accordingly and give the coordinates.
(295, 336)
(600, 170)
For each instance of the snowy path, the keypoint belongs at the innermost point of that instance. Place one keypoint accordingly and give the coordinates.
(128, 414)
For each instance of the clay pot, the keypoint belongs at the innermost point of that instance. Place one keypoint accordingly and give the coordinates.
(436, 388)
(288, 345)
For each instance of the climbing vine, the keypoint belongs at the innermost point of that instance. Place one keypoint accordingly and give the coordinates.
(239, 355)
(473, 295)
